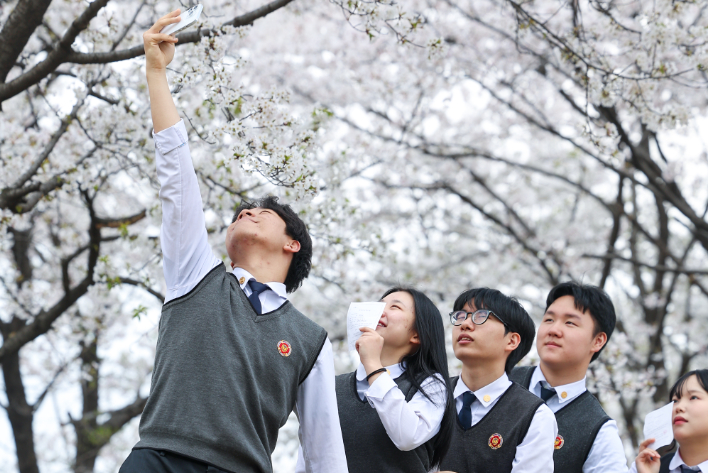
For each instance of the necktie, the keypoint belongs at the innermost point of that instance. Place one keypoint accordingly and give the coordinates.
(465, 412)
(545, 393)
(687, 469)
(256, 289)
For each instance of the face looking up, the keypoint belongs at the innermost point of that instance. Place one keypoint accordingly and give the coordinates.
(397, 323)
(567, 335)
(690, 412)
(487, 341)
(259, 227)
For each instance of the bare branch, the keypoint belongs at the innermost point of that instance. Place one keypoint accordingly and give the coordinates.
(54, 58)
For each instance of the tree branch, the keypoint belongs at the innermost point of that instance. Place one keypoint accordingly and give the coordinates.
(18, 29)
(54, 58)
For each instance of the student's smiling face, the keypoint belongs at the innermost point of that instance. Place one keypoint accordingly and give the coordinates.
(257, 227)
(567, 335)
(690, 412)
(397, 322)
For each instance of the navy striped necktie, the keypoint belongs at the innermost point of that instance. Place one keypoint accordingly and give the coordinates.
(465, 412)
(256, 289)
(687, 469)
(545, 393)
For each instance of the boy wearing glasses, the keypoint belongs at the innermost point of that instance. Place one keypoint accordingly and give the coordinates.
(501, 426)
(577, 324)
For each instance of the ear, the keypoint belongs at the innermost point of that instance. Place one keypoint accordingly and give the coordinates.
(513, 342)
(232, 264)
(292, 246)
(598, 342)
(415, 339)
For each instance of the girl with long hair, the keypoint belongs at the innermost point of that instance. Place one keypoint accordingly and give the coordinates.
(396, 410)
(690, 430)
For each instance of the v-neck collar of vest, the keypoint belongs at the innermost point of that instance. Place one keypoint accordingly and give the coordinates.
(579, 398)
(490, 412)
(256, 317)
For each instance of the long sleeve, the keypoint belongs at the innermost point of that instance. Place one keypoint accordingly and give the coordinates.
(408, 424)
(187, 255)
(607, 452)
(317, 411)
(534, 454)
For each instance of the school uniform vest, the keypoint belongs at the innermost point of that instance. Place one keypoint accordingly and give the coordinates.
(368, 448)
(578, 424)
(666, 462)
(225, 377)
(490, 445)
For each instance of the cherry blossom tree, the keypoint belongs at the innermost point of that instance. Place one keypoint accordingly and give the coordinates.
(438, 143)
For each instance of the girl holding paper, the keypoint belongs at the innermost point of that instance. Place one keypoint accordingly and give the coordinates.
(396, 410)
(690, 430)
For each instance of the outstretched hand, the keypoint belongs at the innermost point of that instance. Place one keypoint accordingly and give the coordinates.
(648, 460)
(160, 47)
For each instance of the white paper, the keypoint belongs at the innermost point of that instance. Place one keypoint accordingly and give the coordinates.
(659, 426)
(362, 314)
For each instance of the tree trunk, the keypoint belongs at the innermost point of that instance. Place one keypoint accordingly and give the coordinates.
(19, 412)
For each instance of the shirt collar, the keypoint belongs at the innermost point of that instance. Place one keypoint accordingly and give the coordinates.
(487, 395)
(677, 461)
(395, 371)
(566, 392)
(243, 276)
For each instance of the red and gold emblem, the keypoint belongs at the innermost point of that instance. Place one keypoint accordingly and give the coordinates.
(284, 348)
(559, 441)
(495, 441)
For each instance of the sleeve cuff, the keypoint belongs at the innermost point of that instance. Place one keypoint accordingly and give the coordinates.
(171, 138)
(382, 385)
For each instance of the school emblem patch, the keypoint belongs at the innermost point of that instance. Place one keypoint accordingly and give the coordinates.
(284, 348)
(495, 441)
(559, 441)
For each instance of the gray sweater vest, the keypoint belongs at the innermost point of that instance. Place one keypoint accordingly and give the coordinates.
(368, 448)
(225, 378)
(578, 424)
(666, 462)
(490, 445)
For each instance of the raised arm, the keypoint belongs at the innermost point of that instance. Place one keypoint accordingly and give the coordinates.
(159, 51)
(187, 255)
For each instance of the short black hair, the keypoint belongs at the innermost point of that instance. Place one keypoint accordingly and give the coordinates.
(296, 229)
(588, 298)
(510, 311)
(677, 389)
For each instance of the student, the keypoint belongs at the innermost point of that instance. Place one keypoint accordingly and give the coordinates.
(396, 409)
(234, 357)
(501, 426)
(689, 396)
(577, 324)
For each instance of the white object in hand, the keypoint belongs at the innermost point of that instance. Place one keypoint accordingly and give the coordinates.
(362, 314)
(658, 425)
(186, 19)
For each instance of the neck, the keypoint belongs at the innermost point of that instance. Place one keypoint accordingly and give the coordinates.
(477, 374)
(559, 376)
(389, 356)
(694, 451)
(265, 266)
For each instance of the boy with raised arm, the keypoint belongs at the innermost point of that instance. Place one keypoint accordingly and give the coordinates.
(234, 357)
(501, 427)
(578, 322)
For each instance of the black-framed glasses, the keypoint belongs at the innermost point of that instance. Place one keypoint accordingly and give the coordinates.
(479, 317)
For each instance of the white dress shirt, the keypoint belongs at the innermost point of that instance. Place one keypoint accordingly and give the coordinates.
(534, 454)
(607, 452)
(676, 462)
(408, 424)
(188, 257)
